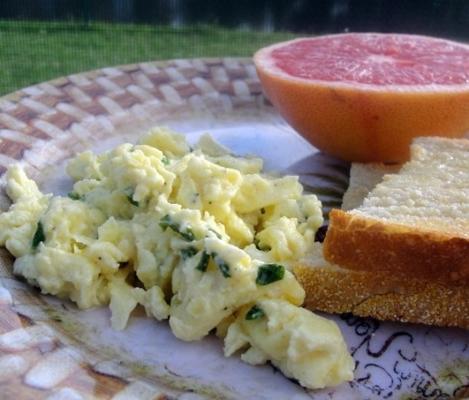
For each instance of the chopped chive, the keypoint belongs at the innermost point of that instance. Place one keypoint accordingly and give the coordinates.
(222, 266)
(188, 252)
(269, 273)
(129, 193)
(258, 246)
(165, 160)
(132, 201)
(74, 196)
(187, 234)
(39, 235)
(167, 222)
(225, 269)
(255, 313)
(203, 263)
(215, 232)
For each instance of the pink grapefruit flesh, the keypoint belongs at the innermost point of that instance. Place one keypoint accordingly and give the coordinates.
(365, 96)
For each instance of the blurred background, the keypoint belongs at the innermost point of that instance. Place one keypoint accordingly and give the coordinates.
(44, 39)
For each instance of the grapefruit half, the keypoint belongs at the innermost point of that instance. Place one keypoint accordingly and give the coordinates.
(364, 96)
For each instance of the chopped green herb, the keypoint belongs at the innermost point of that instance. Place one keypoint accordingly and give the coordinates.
(188, 252)
(262, 210)
(165, 160)
(258, 246)
(269, 273)
(215, 232)
(74, 196)
(186, 234)
(222, 266)
(225, 269)
(203, 263)
(165, 222)
(255, 313)
(39, 235)
(129, 193)
(132, 201)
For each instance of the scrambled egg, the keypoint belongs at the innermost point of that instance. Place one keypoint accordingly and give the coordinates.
(301, 344)
(198, 236)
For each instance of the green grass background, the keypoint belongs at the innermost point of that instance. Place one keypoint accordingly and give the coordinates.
(32, 52)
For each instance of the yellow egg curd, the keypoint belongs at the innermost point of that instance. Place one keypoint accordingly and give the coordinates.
(198, 236)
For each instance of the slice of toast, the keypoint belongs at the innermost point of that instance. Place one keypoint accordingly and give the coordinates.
(379, 294)
(363, 179)
(415, 222)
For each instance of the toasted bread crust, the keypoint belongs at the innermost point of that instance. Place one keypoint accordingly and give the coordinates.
(360, 243)
(383, 296)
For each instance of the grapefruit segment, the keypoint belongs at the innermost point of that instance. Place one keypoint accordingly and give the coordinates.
(365, 96)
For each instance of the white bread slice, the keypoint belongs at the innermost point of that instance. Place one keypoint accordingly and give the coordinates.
(414, 223)
(378, 294)
(363, 178)
(381, 295)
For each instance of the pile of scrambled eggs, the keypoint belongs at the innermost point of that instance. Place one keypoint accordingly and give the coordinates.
(194, 235)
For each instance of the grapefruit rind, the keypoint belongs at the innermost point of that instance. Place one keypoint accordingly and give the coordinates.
(364, 122)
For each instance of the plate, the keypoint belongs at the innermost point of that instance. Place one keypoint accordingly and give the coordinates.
(50, 349)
